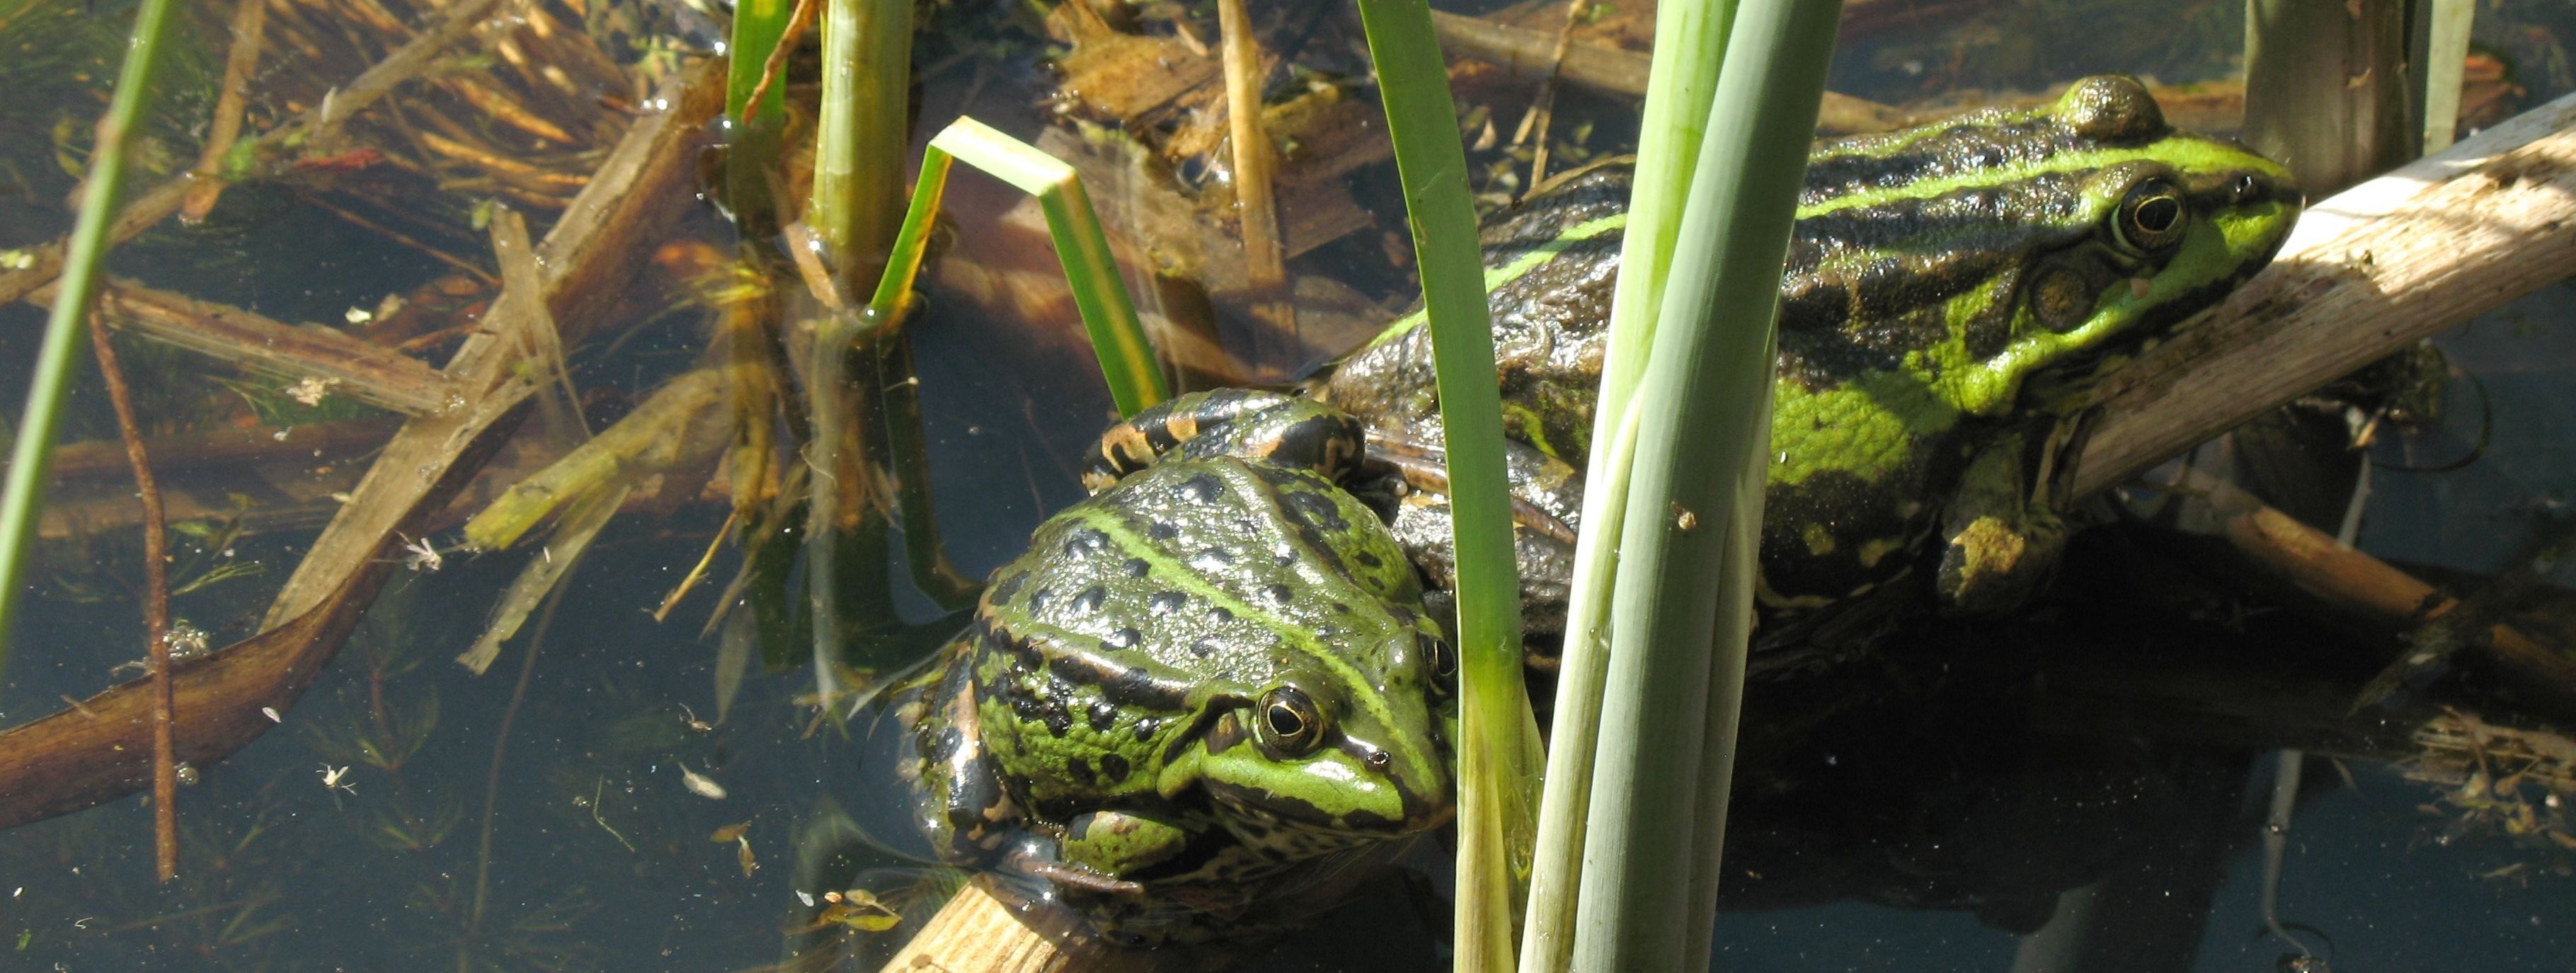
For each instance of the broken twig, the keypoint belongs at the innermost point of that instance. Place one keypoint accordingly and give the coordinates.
(156, 609)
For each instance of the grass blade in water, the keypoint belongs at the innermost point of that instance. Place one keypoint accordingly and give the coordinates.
(1498, 743)
(1127, 359)
(32, 455)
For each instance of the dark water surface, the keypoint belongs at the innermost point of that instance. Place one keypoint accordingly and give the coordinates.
(1981, 829)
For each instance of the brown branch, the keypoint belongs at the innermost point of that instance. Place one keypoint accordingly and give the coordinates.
(1600, 68)
(982, 928)
(234, 446)
(1542, 111)
(1256, 212)
(365, 371)
(250, 19)
(775, 66)
(156, 609)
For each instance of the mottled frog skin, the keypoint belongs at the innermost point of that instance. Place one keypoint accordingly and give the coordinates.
(1949, 291)
(1212, 676)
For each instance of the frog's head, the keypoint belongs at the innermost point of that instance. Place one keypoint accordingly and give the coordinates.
(1355, 749)
(1973, 255)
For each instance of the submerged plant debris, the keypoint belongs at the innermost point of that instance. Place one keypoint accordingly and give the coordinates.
(333, 372)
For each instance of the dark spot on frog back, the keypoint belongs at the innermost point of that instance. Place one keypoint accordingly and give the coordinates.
(1085, 542)
(1089, 601)
(1201, 488)
(1008, 585)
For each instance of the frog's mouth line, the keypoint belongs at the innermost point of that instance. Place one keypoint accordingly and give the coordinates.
(1419, 814)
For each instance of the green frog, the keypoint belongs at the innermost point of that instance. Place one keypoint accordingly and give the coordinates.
(1221, 670)
(1949, 292)
(1214, 679)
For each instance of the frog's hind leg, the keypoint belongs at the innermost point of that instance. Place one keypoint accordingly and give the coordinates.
(1246, 423)
(965, 808)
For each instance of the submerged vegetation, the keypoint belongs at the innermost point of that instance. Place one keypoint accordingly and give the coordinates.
(738, 469)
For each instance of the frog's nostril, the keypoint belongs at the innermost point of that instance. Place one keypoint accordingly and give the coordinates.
(1378, 759)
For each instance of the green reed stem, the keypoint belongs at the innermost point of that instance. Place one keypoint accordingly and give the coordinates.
(32, 455)
(1691, 529)
(752, 156)
(1690, 43)
(1498, 748)
(757, 26)
(1127, 358)
(861, 134)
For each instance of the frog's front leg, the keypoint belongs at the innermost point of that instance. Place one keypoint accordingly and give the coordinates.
(2003, 527)
(1119, 843)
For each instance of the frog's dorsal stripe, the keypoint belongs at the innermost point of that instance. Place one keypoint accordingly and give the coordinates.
(1155, 688)
(1837, 183)
(1526, 261)
(1128, 536)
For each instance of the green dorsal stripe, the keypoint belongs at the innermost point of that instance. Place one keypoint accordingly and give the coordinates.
(1131, 541)
(1526, 262)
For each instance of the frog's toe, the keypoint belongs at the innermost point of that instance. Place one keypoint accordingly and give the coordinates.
(1990, 567)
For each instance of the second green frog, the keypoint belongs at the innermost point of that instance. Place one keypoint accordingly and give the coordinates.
(1949, 291)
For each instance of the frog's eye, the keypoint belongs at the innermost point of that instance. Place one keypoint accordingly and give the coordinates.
(1287, 724)
(2152, 216)
(1443, 661)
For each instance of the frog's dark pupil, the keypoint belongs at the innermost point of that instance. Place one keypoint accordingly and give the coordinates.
(1291, 719)
(2159, 214)
(2152, 215)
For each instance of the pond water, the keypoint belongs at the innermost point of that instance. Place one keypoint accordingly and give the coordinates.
(622, 793)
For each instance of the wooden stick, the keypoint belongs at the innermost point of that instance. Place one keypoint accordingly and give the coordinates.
(156, 609)
(250, 18)
(1533, 55)
(1542, 110)
(985, 929)
(799, 21)
(2367, 589)
(367, 372)
(1256, 212)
